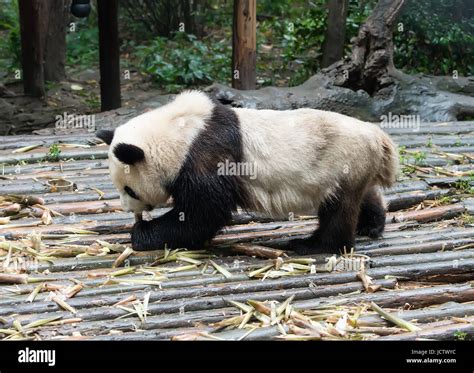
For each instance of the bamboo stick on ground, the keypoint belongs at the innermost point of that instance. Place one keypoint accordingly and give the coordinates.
(257, 251)
(444, 332)
(6, 278)
(394, 319)
(122, 257)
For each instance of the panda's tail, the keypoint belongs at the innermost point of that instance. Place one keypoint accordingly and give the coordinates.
(388, 170)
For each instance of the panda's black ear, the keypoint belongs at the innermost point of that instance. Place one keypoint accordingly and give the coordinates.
(105, 135)
(128, 153)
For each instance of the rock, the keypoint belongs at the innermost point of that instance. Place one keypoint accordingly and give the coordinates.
(5, 92)
(7, 110)
(406, 95)
(25, 117)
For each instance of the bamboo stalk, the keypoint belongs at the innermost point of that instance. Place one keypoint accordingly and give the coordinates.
(257, 251)
(394, 319)
(13, 278)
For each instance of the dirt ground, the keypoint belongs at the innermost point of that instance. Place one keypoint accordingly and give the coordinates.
(79, 94)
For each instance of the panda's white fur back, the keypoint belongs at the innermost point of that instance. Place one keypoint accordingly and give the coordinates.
(301, 156)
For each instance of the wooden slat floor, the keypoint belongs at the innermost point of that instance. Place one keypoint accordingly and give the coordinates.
(422, 269)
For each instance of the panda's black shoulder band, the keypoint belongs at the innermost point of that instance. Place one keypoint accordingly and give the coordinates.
(203, 198)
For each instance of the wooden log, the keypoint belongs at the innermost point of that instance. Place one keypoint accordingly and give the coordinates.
(426, 247)
(435, 128)
(427, 215)
(397, 260)
(155, 334)
(244, 44)
(444, 332)
(258, 289)
(402, 201)
(423, 315)
(423, 232)
(165, 322)
(407, 272)
(426, 295)
(405, 186)
(417, 298)
(190, 305)
(39, 154)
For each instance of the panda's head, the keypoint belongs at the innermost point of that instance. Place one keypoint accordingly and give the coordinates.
(130, 173)
(147, 152)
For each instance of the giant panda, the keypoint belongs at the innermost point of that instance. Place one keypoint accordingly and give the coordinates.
(303, 160)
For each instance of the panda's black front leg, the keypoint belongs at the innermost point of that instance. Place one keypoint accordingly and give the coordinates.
(172, 230)
(182, 227)
(150, 235)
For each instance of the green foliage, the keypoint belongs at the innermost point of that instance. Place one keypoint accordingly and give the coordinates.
(83, 43)
(464, 186)
(445, 200)
(299, 30)
(419, 157)
(459, 335)
(467, 218)
(10, 46)
(436, 39)
(409, 158)
(53, 153)
(185, 61)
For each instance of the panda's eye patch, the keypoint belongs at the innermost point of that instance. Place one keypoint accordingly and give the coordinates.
(130, 192)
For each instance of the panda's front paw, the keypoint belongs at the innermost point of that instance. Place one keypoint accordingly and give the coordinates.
(144, 237)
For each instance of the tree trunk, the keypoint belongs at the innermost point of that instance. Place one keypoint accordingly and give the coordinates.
(372, 53)
(33, 28)
(333, 48)
(55, 48)
(197, 15)
(244, 44)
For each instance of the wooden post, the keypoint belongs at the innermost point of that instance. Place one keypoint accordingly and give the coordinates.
(109, 52)
(33, 29)
(244, 44)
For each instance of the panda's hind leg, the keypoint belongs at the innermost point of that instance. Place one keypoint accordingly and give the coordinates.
(372, 214)
(337, 225)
